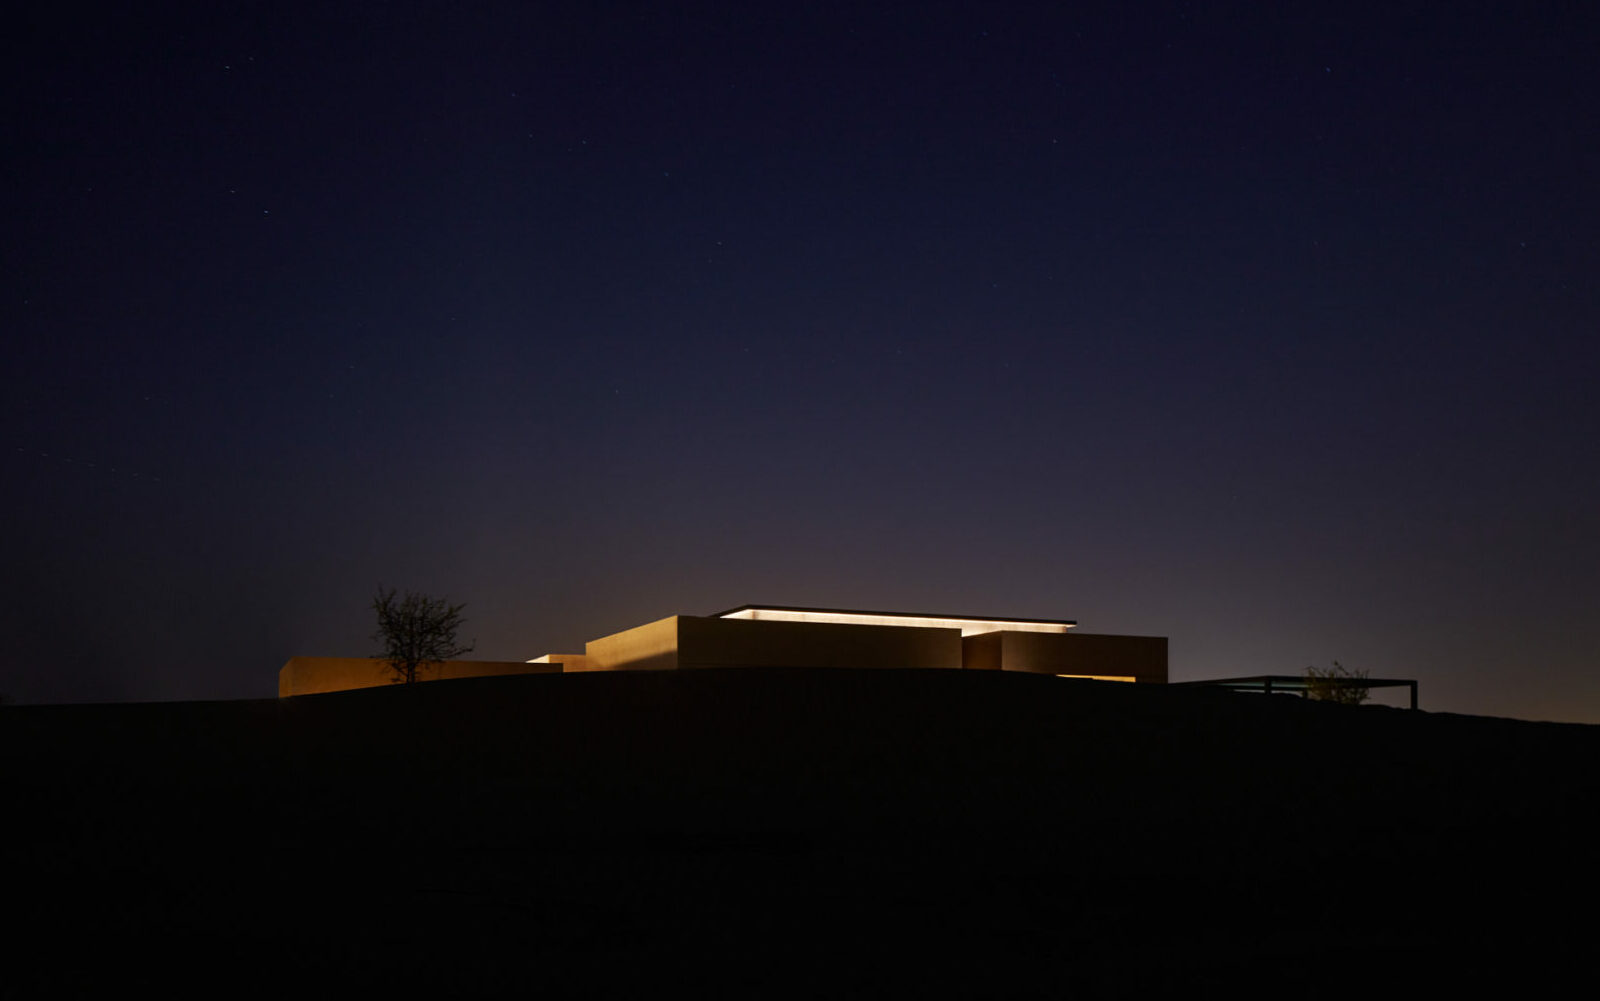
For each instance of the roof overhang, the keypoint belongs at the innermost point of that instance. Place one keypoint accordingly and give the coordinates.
(968, 624)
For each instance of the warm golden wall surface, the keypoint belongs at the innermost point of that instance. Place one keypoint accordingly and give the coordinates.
(650, 647)
(1143, 658)
(686, 641)
(565, 661)
(311, 675)
(740, 642)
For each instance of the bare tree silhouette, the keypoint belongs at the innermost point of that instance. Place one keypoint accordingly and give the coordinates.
(417, 632)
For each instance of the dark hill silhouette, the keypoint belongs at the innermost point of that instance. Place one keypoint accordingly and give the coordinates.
(876, 831)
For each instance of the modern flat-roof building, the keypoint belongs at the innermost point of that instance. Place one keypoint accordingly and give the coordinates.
(757, 636)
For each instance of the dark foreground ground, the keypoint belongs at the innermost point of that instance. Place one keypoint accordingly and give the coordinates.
(795, 832)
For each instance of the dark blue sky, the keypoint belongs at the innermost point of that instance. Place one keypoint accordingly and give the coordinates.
(1270, 331)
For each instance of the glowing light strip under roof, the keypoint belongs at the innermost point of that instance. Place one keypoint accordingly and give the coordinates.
(968, 627)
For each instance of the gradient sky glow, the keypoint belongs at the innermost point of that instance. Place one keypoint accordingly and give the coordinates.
(1271, 332)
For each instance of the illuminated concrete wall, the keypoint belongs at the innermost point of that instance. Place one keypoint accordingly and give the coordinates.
(566, 661)
(1143, 658)
(650, 647)
(686, 641)
(311, 675)
(735, 642)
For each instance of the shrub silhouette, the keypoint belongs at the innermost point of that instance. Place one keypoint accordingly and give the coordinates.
(1336, 684)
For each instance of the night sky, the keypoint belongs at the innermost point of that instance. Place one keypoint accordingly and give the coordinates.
(1267, 328)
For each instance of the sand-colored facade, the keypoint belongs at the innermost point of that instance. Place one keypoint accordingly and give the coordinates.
(1082, 655)
(688, 641)
(774, 636)
(314, 675)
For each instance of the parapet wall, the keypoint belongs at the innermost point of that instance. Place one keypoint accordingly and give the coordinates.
(686, 641)
(1142, 658)
(314, 675)
(707, 642)
(650, 647)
